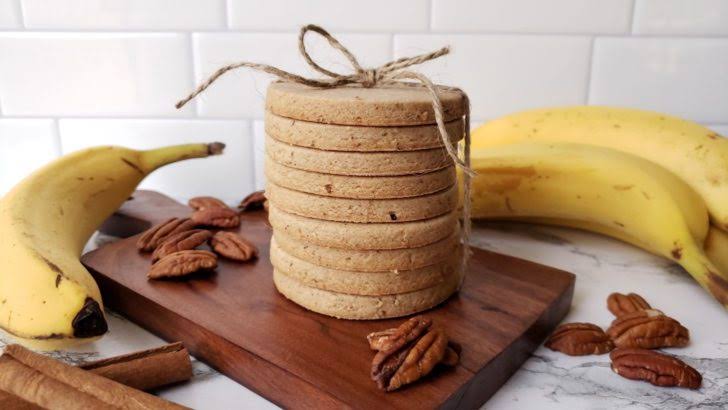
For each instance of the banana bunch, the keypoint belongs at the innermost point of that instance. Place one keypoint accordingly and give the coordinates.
(45, 222)
(655, 181)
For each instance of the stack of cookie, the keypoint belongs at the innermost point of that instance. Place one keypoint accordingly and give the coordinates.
(362, 198)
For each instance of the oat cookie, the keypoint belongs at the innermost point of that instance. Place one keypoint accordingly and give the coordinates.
(370, 260)
(362, 210)
(357, 163)
(349, 235)
(384, 105)
(362, 283)
(332, 137)
(361, 187)
(357, 307)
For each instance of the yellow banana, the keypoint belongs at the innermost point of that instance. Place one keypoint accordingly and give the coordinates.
(45, 221)
(696, 154)
(716, 247)
(625, 195)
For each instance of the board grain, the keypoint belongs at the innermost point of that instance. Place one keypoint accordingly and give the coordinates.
(235, 320)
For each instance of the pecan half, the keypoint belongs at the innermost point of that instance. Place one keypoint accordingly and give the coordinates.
(203, 202)
(233, 246)
(153, 236)
(427, 352)
(218, 217)
(653, 367)
(620, 304)
(181, 241)
(381, 340)
(400, 336)
(182, 263)
(648, 329)
(252, 202)
(409, 352)
(579, 339)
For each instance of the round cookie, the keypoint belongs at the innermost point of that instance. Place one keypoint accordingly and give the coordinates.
(362, 210)
(358, 307)
(363, 236)
(357, 163)
(358, 187)
(332, 137)
(387, 105)
(361, 283)
(370, 260)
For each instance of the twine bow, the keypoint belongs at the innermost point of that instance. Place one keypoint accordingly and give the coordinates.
(392, 72)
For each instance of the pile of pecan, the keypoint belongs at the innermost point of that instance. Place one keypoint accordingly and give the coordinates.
(174, 243)
(407, 353)
(636, 329)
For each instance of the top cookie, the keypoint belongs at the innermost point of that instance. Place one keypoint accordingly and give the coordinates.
(390, 105)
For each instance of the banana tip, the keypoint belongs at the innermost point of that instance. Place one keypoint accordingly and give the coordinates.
(215, 148)
(89, 321)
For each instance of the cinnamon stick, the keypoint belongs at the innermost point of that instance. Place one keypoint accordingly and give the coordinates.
(147, 369)
(42, 382)
(143, 370)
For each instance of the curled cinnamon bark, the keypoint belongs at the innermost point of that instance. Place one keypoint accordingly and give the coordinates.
(143, 370)
(48, 383)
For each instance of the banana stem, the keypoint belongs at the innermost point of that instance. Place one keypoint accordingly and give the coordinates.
(156, 158)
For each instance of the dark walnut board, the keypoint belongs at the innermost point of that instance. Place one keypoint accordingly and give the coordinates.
(234, 320)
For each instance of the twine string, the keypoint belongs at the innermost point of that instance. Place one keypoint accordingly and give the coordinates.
(389, 73)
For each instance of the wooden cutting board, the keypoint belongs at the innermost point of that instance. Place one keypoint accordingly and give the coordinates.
(235, 321)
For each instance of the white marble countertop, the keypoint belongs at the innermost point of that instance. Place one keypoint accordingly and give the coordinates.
(548, 380)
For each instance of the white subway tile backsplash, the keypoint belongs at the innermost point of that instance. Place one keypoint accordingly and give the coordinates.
(241, 94)
(25, 145)
(503, 73)
(532, 16)
(125, 14)
(342, 15)
(693, 17)
(229, 176)
(85, 74)
(259, 153)
(127, 62)
(10, 14)
(685, 77)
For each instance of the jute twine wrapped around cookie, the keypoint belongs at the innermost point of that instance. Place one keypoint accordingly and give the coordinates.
(392, 72)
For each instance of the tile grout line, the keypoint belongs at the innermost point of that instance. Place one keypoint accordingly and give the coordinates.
(57, 131)
(194, 71)
(228, 15)
(590, 71)
(21, 14)
(534, 34)
(391, 46)
(431, 15)
(632, 17)
(112, 118)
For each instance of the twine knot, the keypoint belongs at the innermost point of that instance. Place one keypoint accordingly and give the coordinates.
(369, 77)
(393, 72)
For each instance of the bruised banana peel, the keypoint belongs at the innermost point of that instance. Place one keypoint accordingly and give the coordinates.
(603, 190)
(695, 153)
